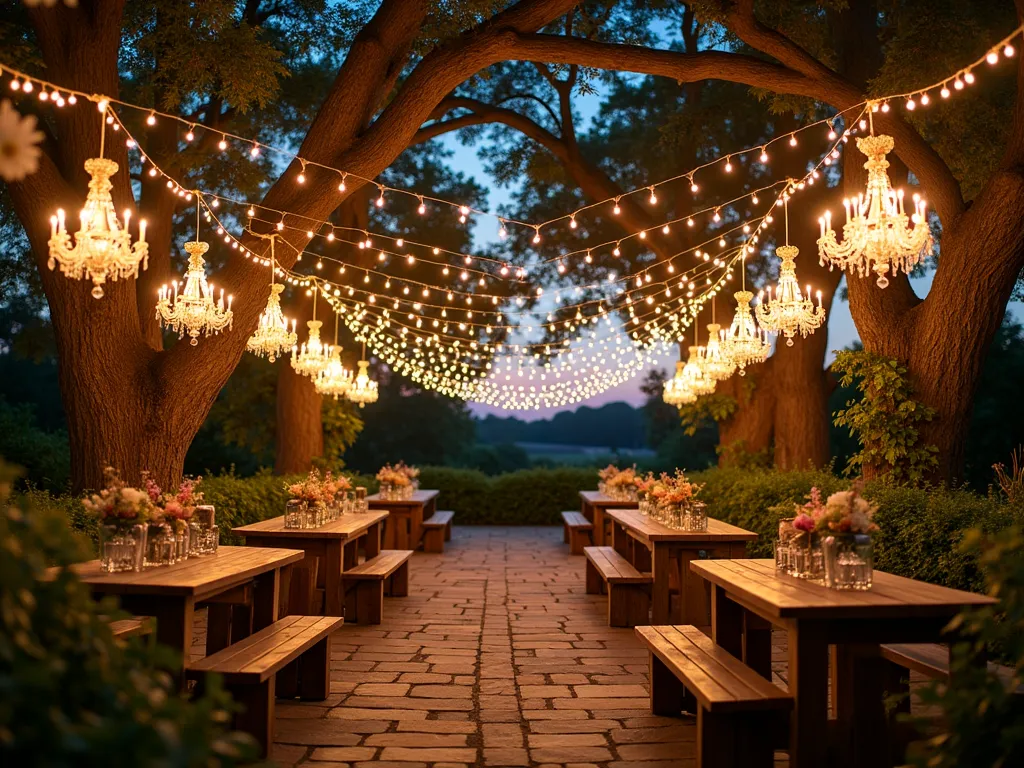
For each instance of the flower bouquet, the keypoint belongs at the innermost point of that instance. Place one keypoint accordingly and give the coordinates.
(395, 482)
(677, 503)
(307, 503)
(336, 490)
(169, 536)
(124, 514)
(603, 475)
(646, 503)
(830, 540)
(621, 486)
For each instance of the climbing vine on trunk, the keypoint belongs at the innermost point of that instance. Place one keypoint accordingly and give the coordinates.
(886, 419)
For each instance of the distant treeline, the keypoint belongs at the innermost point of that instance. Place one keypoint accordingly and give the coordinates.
(613, 426)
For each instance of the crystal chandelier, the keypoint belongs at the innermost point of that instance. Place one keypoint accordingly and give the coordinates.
(878, 236)
(102, 250)
(363, 389)
(715, 364)
(789, 312)
(744, 343)
(335, 379)
(693, 374)
(314, 356)
(193, 311)
(272, 337)
(677, 392)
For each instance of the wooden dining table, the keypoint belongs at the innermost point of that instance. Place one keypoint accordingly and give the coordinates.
(667, 553)
(594, 504)
(335, 547)
(404, 527)
(171, 593)
(749, 596)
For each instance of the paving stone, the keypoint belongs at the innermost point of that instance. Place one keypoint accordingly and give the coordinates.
(429, 754)
(567, 754)
(344, 753)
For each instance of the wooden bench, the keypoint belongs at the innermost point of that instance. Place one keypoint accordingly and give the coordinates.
(367, 583)
(629, 599)
(136, 626)
(740, 715)
(578, 532)
(930, 660)
(249, 669)
(437, 530)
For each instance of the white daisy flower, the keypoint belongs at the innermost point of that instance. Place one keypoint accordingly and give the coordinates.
(19, 143)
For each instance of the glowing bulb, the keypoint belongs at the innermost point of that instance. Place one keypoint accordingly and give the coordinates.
(1009, 51)
(254, 150)
(911, 104)
(728, 165)
(925, 100)
(151, 120)
(572, 222)
(764, 155)
(992, 57)
(653, 199)
(969, 78)
(944, 92)
(222, 144)
(792, 139)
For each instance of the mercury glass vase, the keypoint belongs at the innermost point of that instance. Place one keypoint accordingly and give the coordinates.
(296, 514)
(122, 547)
(849, 561)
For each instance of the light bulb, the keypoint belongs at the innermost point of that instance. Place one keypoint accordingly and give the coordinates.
(222, 144)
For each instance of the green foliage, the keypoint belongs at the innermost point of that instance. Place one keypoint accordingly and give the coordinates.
(710, 408)
(71, 694)
(43, 455)
(981, 724)
(886, 419)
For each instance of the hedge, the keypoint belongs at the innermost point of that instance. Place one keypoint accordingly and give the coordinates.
(921, 528)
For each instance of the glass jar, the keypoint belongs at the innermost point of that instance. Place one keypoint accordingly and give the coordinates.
(695, 517)
(203, 534)
(644, 507)
(122, 547)
(784, 546)
(361, 504)
(808, 560)
(296, 514)
(849, 561)
(161, 545)
(182, 540)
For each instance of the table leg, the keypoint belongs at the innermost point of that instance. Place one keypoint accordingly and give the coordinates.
(371, 544)
(599, 537)
(621, 540)
(416, 517)
(390, 524)
(860, 706)
(808, 684)
(726, 622)
(757, 644)
(401, 530)
(334, 600)
(174, 618)
(266, 599)
(661, 598)
(694, 596)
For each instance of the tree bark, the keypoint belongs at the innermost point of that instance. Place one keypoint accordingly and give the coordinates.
(751, 429)
(300, 431)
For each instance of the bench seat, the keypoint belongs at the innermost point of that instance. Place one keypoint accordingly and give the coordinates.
(298, 647)
(437, 530)
(739, 713)
(136, 626)
(629, 599)
(366, 584)
(932, 661)
(578, 531)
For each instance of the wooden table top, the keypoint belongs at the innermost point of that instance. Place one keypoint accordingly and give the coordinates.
(418, 499)
(757, 584)
(345, 527)
(598, 499)
(651, 530)
(199, 577)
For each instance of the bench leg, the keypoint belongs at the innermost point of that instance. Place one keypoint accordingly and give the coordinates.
(257, 715)
(578, 538)
(398, 582)
(433, 540)
(565, 532)
(448, 532)
(367, 602)
(218, 628)
(668, 694)
(628, 605)
(594, 580)
(734, 739)
(315, 671)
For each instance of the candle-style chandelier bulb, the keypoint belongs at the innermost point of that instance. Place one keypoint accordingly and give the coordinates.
(716, 365)
(676, 391)
(878, 235)
(744, 343)
(335, 379)
(102, 249)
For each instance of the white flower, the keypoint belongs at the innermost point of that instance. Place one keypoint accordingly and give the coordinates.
(19, 143)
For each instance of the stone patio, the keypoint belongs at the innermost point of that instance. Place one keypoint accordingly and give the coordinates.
(496, 658)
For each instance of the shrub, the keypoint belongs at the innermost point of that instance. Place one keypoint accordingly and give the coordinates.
(71, 694)
(45, 456)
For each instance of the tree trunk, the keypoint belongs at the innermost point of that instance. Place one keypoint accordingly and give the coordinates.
(300, 429)
(750, 429)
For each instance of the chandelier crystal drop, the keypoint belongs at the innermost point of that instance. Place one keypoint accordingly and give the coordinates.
(335, 379)
(102, 249)
(676, 391)
(194, 311)
(878, 236)
(272, 336)
(744, 343)
(363, 389)
(314, 356)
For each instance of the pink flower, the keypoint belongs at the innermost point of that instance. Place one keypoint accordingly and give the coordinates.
(803, 522)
